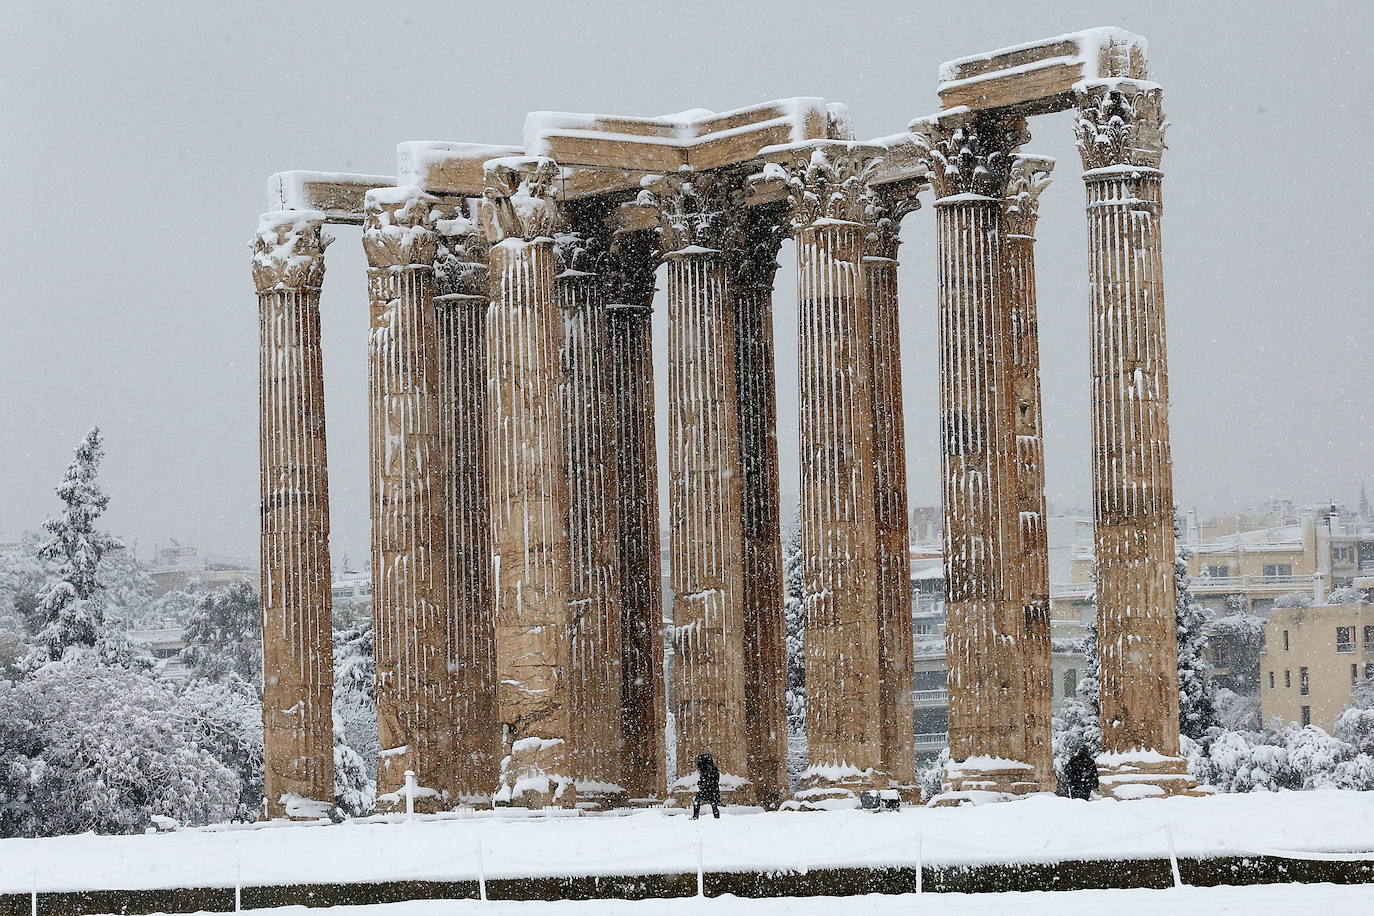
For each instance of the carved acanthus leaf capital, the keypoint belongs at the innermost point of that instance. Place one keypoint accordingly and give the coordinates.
(519, 198)
(970, 152)
(398, 227)
(1029, 176)
(887, 206)
(695, 209)
(584, 243)
(827, 179)
(1120, 123)
(632, 261)
(288, 250)
(460, 263)
(761, 232)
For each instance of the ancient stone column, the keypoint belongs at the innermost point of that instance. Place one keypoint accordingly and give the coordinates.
(630, 293)
(1120, 130)
(839, 531)
(297, 638)
(990, 746)
(460, 302)
(1030, 176)
(529, 487)
(887, 206)
(593, 540)
(705, 489)
(412, 620)
(765, 629)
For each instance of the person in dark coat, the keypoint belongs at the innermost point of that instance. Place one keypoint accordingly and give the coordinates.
(1080, 773)
(708, 786)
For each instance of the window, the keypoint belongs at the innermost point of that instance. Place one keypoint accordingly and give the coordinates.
(1304, 685)
(1272, 570)
(1070, 682)
(1369, 669)
(1354, 674)
(1287, 678)
(1369, 639)
(1220, 571)
(1271, 680)
(1307, 715)
(1285, 640)
(1343, 555)
(1345, 639)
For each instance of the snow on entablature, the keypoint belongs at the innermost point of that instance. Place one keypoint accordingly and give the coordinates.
(441, 167)
(1038, 76)
(697, 138)
(339, 195)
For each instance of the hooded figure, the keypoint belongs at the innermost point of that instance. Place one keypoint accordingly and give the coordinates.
(1080, 774)
(708, 786)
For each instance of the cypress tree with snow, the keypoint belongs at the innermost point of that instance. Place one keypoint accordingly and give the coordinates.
(70, 615)
(1196, 693)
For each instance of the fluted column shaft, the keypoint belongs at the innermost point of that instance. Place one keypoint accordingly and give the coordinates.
(897, 714)
(298, 669)
(1120, 134)
(594, 544)
(765, 630)
(631, 369)
(1030, 177)
(412, 624)
(460, 302)
(985, 629)
(529, 490)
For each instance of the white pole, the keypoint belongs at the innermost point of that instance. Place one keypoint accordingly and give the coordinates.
(701, 871)
(481, 871)
(920, 861)
(410, 795)
(238, 886)
(33, 894)
(1173, 855)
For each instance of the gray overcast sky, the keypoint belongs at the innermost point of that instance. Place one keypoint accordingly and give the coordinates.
(137, 139)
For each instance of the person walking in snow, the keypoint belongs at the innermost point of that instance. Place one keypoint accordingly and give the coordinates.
(708, 786)
(1080, 774)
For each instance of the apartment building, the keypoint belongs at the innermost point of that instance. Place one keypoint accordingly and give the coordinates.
(1313, 658)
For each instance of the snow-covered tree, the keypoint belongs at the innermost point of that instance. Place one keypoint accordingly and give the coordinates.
(1347, 595)
(224, 635)
(794, 611)
(1238, 639)
(1237, 712)
(1079, 722)
(70, 612)
(355, 698)
(1196, 692)
(224, 717)
(355, 788)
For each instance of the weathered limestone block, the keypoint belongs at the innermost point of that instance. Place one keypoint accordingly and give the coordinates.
(1029, 177)
(298, 663)
(630, 292)
(1120, 131)
(761, 231)
(412, 619)
(991, 745)
(887, 205)
(460, 302)
(839, 531)
(529, 487)
(593, 539)
(706, 503)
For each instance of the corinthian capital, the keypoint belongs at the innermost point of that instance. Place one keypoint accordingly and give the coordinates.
(520, 198)
(398, 227)
(288, 251)
(761, 231)
(970, 152)
(460, 262)
(887, 205)
(829, 179)
(584, 245)
(695, 209)
(1120, 123)
(1029, 176)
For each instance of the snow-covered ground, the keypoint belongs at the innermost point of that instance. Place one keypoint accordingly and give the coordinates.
(1037, 829)
(1256, 900)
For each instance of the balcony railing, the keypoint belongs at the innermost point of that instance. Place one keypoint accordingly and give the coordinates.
(934, 740)
(1251, 583)
(932, 695)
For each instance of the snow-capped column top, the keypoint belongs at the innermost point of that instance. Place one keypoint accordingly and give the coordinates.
(520, 200)
(398, 227)
(694, 209)
(970, 154)
(460, 264)
(288, 250)
(1029, 176)
(1120, 123)
(827, 180)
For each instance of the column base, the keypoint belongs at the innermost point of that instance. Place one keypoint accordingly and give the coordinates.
(1145, 774)
(600, 796)
(532, 776)
(980, 780)
(293, 807)
(734, 790)
(835, 787)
